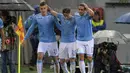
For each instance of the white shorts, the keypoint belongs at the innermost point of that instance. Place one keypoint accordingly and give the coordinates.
(85, 47)
(67, 50)
(57, 37)
(51, 48)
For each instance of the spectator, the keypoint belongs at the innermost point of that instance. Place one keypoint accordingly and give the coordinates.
(7, 54)
(97, 23)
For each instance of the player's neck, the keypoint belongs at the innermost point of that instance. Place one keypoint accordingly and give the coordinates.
(70, 16)
(44, 14)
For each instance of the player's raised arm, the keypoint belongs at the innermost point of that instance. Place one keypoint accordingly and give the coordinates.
(57, 23)
(89, 10)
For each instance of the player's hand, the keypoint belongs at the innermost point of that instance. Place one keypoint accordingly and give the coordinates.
(23, 42)
(86, 6)
(49, 8)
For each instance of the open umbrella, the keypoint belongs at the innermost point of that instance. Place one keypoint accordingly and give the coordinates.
(125, 19)
(110, 36)
(15, 5)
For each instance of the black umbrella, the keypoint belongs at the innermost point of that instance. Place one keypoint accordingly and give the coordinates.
(15, 5)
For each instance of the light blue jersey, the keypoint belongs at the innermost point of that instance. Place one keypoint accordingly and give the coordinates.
(29, 20)
(67, 28)
(45, 26)
(84, 27)
(1, 23)
(28, 23)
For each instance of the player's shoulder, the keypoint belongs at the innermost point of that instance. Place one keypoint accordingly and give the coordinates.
(86, 15)
(76, 14)
(50, 16)
(60, 14)
(31, 17)
(72, 17)
(37, 16)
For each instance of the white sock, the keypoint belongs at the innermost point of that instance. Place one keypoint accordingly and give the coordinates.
(82, 66)
(64, 68)
(90, 67)
(72, 67)
(56, 68)
(39, 66)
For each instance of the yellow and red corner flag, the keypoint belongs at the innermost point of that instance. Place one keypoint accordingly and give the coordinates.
(20, 30)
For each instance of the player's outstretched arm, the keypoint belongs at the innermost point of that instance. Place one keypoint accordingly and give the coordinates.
(30, 30)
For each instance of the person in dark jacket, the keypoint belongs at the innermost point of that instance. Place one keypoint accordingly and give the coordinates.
(97, 22)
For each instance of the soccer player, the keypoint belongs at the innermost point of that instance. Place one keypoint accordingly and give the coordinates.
(67, 41)
(47, 39)
(34, 37)
(85, 42)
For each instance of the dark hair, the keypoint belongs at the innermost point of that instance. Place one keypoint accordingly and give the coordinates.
(66, 10)
(43, 3)
(96, 13)
(5, 13)
(82, 5)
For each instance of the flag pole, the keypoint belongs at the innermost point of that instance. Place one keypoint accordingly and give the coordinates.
(19, 47)
(19, 30)
(19, 55)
